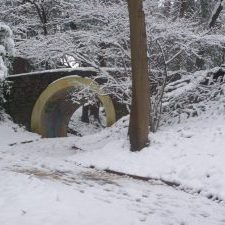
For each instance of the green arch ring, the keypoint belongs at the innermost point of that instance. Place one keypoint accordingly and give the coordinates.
(38, 118)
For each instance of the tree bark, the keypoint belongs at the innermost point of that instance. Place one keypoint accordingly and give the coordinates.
(183, 8)
(94, 111)
(85, 114)
(140, 107)
(216, 13)
(205, 9)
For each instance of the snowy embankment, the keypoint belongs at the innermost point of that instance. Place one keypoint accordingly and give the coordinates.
(45, 181)
(191, 154)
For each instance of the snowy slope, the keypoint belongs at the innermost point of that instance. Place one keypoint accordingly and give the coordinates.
(46, 181)
(191, 154)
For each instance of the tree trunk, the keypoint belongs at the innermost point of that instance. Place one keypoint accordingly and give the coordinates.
(94, 111)
(216, 13)
(85, 114)
(140, 107)
(183, 8)
(205, 9)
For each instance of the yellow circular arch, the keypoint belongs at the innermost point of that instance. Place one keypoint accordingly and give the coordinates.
(53, 110)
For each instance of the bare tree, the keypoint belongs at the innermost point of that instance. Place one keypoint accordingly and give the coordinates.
(42, 12)
(140, 107)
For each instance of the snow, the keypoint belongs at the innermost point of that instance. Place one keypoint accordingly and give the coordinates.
(80, 128)
(50, 202)
(56, 71)
(191, 154)
(6, 47)
(11, 133)
(50, 182)
(6, 39)
(3, 69)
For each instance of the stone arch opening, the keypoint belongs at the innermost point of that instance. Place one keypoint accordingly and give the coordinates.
(54, 108)
(88, 119)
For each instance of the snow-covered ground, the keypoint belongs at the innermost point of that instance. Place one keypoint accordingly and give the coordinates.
(76, 126)
(49, 182)
(191, 154)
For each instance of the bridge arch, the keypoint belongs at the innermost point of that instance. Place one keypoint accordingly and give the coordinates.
(53, 109)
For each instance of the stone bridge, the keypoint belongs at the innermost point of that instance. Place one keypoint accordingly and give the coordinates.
(39, 100)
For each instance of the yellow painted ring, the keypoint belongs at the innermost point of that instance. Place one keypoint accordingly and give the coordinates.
(37, 122)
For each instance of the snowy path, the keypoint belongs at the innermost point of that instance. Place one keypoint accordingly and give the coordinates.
(39, 184)
(36, 197)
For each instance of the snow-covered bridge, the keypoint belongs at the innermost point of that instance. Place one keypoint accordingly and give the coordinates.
(37, 100)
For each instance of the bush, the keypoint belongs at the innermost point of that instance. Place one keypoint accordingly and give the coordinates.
(6, 51)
